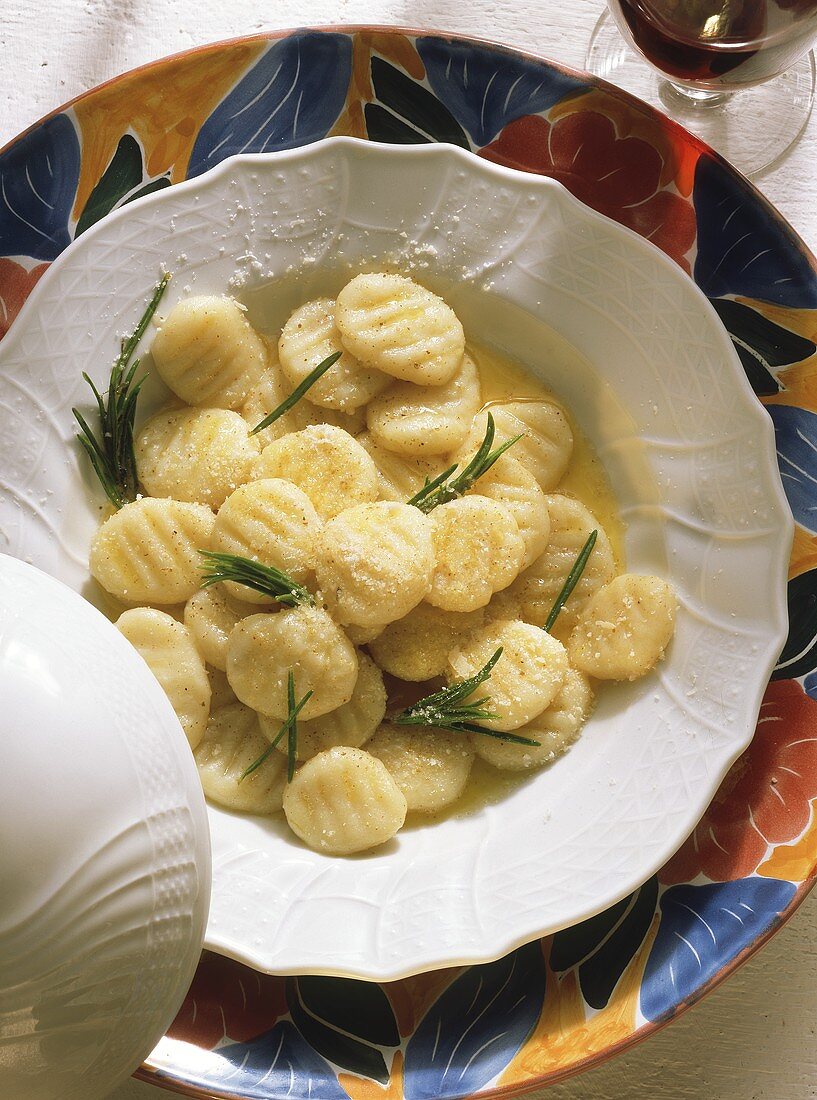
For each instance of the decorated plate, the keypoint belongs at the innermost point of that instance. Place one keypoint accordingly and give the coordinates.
(557, 1005)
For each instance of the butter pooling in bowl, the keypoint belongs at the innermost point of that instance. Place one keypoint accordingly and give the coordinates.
(105, 859)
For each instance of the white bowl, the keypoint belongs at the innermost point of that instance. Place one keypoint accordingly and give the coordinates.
(688, 449)
(105, 852)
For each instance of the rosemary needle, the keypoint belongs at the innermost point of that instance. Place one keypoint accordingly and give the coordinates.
(298, 392)
(441, 490)
(290, 727)
(572, 579)
(111, 449)
(445, 709)
(252, 574)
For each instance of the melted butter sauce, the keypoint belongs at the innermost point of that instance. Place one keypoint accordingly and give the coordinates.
(506, 379)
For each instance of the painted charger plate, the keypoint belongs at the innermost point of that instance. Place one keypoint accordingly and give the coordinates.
(560, 1004)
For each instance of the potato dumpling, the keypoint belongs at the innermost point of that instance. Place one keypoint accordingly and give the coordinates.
(351, 724)
(168, 650)
(362, 635)
(262, 649)
(525, 679)
(310, 336)
(556, 728)
(392, 323)
(534, 592)
(231, 743)
(327, 464)
(344, 801)
(271, 521)
(416, 647)
(207, 353)
(478, 550)
(148, 551)
(400, 477)
(625, 628)
(426, 420)
(513, 485)
(220, 691)
(375, 562)
(547, 440)
(268, 393)
(210, 615)
(195, 454)
(430, 766)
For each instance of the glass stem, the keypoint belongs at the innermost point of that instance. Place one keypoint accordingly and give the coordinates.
(694, 97)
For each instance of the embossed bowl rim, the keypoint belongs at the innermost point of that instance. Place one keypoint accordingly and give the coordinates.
(422, 952)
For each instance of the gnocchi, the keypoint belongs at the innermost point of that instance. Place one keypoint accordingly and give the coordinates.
(200, 455)
(431, 767)
(207, 353)
(419, 420)
(625, 628)
(344, 801)
(395, 605)
(168, 650)
(394, 324)
(148, 551)
(375, 562)
(233, 742)
(310, 336)
(262, 649)
(327, 464)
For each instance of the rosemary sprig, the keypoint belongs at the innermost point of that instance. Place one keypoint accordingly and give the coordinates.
(445, 710)
(298, 392)
(252, 574)
(289, 727)
(572, 579)
(441, 490)
(111, 449)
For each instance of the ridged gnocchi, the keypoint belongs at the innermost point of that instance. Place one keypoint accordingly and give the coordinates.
(233, 742)
(534, 592)
(478, 550)
(351, 724)
(310, 336)
(421, 420)
(262, 649)
(401, 328)
(209, 616)
(375, 562)
(547, 438)
(167, 649)
(430, 766)
(556, 728)
(200, 455)
(271, 521)
(625, 628)
(416, 647)
(207, 352)
(314, 508)
(148, 551)
(524, 681)
(327, 464)
(344, 801)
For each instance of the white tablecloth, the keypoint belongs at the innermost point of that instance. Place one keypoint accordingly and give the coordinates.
(753, 1039)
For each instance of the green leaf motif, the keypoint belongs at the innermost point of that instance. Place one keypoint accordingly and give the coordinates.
(120, 183)
(406, 112)
(345, 1021)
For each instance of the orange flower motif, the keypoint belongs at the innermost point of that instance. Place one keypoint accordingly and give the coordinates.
(15, 286)
(764, 800)
(618, 176)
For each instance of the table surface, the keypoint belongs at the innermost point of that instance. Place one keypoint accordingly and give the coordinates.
(754, 1038)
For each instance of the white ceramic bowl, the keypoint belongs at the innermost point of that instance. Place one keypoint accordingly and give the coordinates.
(104, 848)
(638, 355)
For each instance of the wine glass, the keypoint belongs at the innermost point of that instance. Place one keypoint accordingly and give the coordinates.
(738, 73)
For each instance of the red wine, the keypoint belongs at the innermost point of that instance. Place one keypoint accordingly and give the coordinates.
(718, 43)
